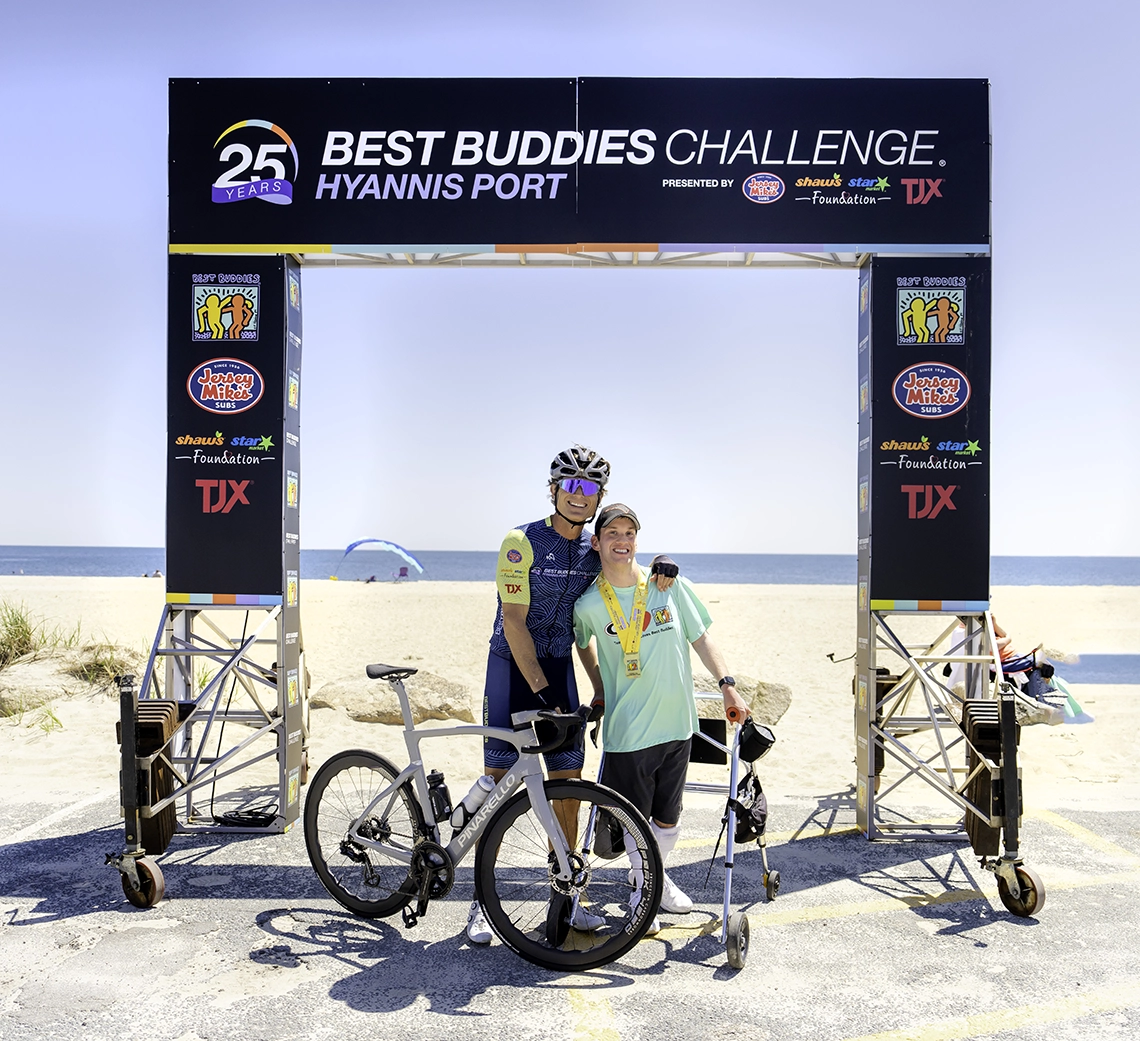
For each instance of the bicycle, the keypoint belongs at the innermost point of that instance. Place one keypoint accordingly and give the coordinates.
(373, 834)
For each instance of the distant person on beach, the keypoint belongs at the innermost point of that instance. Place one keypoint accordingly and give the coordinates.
(543, 568)
(644, 682)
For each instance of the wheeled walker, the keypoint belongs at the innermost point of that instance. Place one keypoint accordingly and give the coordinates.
(745, 811)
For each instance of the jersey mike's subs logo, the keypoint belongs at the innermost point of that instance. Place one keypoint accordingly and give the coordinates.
(762, 188)
(931, 390)
(257, 159)
(225, 385)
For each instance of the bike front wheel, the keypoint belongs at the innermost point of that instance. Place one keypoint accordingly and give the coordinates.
(607, 905)
(359, 877)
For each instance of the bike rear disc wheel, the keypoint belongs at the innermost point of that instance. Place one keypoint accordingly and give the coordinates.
(516, 884)
(365, 880)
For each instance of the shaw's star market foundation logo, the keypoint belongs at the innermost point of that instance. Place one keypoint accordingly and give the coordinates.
(251, 175)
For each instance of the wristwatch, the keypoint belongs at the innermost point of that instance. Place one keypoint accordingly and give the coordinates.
(727, 681)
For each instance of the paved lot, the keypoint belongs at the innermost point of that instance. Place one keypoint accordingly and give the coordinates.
(866, 940)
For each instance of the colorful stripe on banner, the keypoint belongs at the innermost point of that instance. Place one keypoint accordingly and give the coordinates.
(571, 248)
(942, 606)
(224, 599)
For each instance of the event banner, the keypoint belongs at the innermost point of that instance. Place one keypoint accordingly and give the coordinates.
(923, 470)
(232, 481)
(925, 448)
(303, 165)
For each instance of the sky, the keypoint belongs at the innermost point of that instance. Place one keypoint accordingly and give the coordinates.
(726, 401)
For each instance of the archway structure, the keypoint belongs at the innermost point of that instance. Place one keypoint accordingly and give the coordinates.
(891, 177)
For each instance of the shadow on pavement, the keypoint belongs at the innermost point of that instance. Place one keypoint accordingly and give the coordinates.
(394, 967)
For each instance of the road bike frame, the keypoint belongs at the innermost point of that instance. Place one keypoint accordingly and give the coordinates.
(527, 770)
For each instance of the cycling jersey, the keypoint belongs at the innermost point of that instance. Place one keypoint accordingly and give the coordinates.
(542, 569)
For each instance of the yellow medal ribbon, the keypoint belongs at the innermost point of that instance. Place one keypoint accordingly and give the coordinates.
(628, 631)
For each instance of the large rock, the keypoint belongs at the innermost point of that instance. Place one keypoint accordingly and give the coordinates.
(768, 701)
(374, 701)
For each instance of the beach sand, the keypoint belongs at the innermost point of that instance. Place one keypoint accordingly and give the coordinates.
(780, 634)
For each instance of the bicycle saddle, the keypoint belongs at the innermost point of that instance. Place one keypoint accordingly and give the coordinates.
(389, 672)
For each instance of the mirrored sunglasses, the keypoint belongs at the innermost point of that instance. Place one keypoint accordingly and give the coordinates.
(575, 484)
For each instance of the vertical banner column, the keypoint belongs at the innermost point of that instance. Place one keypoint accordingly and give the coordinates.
(924, 454)
(233, 470)
(225, 475)
(290, 682)
(864, 656)
(930, 434)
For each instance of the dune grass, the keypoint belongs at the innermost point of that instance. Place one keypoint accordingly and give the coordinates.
(19, 635)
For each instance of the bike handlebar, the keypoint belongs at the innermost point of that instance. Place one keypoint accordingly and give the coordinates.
(562, 721)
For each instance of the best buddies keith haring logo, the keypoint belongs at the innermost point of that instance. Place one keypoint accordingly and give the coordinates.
(257, 160)
(931, 315)
(225, 312)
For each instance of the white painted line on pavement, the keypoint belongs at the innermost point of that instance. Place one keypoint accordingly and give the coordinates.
(985, 1024)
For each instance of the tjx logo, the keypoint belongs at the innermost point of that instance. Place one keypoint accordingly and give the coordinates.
(930, 508)
(224, 504)
(512, 589)
(919, 190)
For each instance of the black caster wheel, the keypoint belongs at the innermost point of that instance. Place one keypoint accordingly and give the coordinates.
(737, 939)
(152, 884)
(1032, 897)
(772, 884)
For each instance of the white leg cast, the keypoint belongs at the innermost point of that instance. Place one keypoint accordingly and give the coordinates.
(673, 899)
(666, 838)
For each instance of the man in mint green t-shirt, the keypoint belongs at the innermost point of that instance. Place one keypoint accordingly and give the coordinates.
(644, 679)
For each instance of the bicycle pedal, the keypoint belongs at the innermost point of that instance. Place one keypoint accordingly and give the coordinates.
(410, 917)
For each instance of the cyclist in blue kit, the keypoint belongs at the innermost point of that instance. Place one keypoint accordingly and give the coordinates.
(543, 568)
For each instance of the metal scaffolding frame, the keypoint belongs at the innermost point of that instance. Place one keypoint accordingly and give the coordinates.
(582, 255)
(916, 703)
(241, 691)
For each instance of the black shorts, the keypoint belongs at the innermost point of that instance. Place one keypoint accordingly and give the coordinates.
(507, 692)
(652, 778)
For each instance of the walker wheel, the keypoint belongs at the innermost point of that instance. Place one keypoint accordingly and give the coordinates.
(153, 885)
(1032, 897)
(737, 939)
(772, 884)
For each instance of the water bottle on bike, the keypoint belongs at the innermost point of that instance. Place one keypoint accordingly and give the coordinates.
(471, 802)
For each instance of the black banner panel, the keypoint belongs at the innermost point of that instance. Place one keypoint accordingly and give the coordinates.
(484, 165)
(925, 444)
(232, 470)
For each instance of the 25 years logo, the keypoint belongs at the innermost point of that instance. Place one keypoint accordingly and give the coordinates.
(250, 174)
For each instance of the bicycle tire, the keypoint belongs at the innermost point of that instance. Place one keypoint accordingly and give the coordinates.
(360, 878)
(515, 882)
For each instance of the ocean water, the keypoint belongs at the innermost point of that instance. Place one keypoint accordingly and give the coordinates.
(1101, 668)
(454, 566)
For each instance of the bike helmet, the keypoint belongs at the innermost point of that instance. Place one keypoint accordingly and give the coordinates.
(580, 462)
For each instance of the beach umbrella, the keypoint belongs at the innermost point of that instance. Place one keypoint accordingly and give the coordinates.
(391, 547)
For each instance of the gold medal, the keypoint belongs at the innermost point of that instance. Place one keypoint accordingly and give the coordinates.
(628, 630)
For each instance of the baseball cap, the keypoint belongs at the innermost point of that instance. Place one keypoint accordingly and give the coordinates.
(614, 512)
